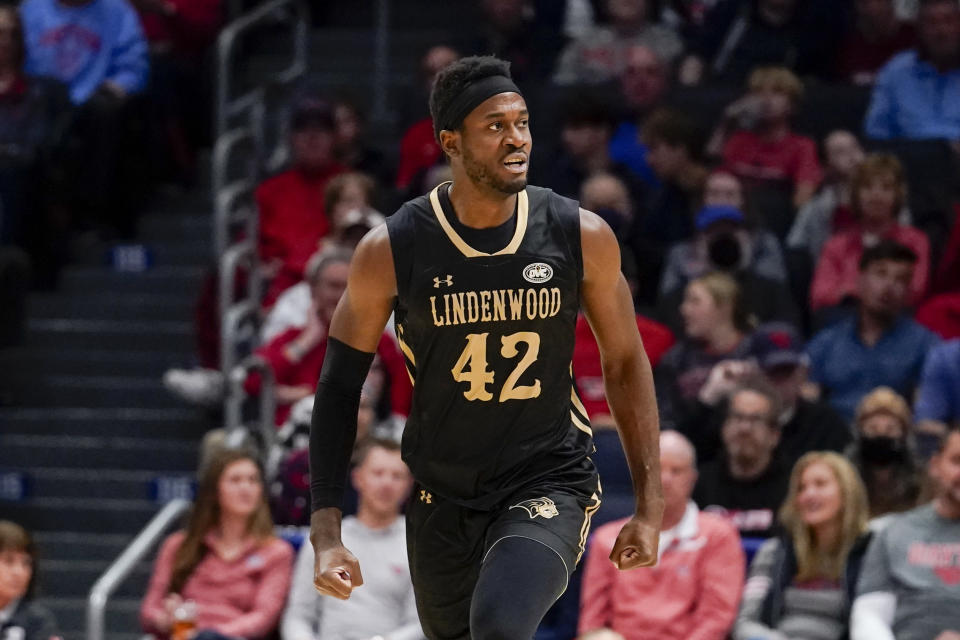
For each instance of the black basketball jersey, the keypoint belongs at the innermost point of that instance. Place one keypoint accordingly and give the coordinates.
(488, 342)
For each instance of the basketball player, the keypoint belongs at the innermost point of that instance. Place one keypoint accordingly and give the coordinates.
(485, 276)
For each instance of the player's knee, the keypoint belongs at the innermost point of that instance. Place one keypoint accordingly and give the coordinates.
(488, 622)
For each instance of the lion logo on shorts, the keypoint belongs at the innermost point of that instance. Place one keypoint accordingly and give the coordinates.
(543, 507)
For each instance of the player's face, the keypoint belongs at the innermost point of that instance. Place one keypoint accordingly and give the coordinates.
(945, 467)
(495, 143)
(819, 498)
(240, 488)
(382, 481)
(16, 569)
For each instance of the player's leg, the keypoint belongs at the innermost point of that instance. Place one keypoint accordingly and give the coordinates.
(519, 581)
(533, 545)
(445, 544)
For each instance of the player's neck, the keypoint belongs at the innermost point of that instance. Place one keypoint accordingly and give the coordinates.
(480, 207)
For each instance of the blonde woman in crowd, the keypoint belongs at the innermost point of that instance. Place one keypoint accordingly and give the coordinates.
(802, 584)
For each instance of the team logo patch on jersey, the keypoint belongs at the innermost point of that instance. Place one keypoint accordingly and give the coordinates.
(543, 507)
(538, 272)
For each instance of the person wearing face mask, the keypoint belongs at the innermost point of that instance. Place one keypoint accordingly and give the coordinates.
(21, 618)
(802, 585)
(878, 192)
(723, 242)
(883, 453)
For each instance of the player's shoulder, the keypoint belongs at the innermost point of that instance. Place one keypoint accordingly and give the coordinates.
(547, 200)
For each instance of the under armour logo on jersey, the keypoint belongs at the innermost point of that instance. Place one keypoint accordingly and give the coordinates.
(426, 496)
(543, 507)
(437, 281)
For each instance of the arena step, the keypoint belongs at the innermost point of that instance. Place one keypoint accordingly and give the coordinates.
(104, 305)
(67, 361)
(164, 279)
(92, 517)
(32, 451)
(176, 424)
(172, 336)
(122, 618)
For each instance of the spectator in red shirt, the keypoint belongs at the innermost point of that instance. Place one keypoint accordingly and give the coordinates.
(694, 590)
(227, 560)
(763, 151)
(587, 372)
(878, 192)
(875, 37)
(419, 149)
(292, 214)
(296, 355)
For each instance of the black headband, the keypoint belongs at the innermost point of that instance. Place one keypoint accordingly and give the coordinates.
(451, 117)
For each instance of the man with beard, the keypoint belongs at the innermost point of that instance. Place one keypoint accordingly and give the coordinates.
(748, 482)
(485, 277)
(880, 345)
(909, 587)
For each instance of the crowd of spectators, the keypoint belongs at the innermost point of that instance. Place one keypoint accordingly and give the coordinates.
(809, 411)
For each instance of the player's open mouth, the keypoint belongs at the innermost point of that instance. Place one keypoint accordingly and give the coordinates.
(516, 164)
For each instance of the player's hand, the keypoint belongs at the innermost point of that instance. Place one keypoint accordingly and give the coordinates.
(636, 546)
(336, 572)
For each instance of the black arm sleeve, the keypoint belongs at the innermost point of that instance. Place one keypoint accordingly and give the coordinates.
(333, 426)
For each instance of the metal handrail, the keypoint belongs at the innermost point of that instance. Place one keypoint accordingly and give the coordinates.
(229, 105)
(233, 418)
(228, 209)
(232, 321)
(241, 254)
(124, 565)
(223, 150)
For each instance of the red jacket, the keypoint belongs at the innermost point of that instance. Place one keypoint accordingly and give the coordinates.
(587, 372)
(838, 270)
(191, 29)
(307, 371)
(292, 221)
(693, 592)
(418, 151)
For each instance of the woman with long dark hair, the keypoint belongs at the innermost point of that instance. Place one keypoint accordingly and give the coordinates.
(20, 616)
(227, 561)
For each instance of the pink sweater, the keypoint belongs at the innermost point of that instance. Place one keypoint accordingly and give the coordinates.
(692, 593)
(243, 597)
(838, 269)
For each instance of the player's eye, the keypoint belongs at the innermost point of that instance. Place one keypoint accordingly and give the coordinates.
(524, 123)
(496, 126)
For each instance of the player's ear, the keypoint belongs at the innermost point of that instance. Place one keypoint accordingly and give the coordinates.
(450, 142)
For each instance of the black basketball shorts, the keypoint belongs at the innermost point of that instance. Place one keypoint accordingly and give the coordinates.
(447, 543)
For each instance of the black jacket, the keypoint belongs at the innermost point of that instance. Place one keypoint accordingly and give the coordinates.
(36, 621)
(785, 568)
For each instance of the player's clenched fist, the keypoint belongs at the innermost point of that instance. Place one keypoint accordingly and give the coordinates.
(636, 546)
(336, 572)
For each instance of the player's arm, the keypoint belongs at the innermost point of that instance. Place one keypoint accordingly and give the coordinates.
(628, 380)
(355, 331)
